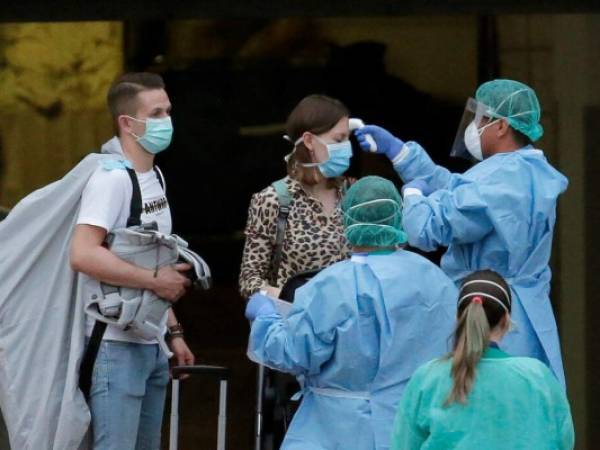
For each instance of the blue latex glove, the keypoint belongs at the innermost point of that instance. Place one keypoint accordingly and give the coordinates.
(419, 184)
(259, 305)
(386, 142)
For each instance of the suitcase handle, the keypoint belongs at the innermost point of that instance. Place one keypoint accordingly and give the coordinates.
(222, 373)
(219, 372)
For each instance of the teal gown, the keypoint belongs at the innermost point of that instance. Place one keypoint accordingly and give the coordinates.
(516, 403)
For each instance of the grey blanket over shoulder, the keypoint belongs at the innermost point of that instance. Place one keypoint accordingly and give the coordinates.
(42, 322)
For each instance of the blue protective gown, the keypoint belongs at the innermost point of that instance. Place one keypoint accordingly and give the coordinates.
(354, 336)
(498, 215)
(515, 403)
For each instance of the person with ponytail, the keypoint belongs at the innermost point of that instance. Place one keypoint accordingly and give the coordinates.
(479, 397)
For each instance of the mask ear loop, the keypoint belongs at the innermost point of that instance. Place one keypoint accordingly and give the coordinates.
(287, 157)
(313, 164)
(136, 120)
(490, 282)
(287, 138)
(296, 143)
(481, 129)
(398, 209)
(375, 201)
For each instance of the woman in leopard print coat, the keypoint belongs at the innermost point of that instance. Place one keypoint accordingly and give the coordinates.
(314, 235)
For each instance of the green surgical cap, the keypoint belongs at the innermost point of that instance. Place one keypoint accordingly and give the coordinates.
(515, 102)
(373, 213)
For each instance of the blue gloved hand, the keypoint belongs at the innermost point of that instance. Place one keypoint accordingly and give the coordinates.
(385, 141)
(420, 185)
(259, 305)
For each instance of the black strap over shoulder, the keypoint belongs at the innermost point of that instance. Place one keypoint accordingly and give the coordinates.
(135, 207)
(89, 358)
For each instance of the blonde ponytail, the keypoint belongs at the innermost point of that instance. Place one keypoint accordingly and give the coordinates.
(472, 337)
(483, 302)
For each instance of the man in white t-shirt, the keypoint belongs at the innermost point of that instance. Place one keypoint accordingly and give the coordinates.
(130, 374)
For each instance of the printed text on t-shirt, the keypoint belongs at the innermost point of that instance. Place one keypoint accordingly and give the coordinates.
(155, 206)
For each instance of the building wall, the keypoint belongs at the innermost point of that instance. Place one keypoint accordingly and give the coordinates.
(558, 56)
(53, 83)
(437, 55)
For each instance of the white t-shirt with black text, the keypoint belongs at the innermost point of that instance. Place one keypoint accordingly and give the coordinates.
(106, 202)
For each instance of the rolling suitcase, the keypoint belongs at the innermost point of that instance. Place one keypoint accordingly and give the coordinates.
(222, 374)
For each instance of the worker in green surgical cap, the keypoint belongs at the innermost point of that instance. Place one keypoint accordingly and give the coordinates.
(358, 330)
(498, 215)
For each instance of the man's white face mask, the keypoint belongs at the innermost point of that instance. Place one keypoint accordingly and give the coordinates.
(473, 139)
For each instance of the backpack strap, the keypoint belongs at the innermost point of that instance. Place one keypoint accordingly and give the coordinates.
(135, 207)
(285, 200)
(89, 358)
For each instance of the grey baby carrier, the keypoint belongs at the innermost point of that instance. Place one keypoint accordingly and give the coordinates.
(141, 310)
(138, 310)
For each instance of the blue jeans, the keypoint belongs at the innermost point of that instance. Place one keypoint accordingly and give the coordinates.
(129, 384)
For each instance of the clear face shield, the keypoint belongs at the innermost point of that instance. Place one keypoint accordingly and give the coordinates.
(468, 133)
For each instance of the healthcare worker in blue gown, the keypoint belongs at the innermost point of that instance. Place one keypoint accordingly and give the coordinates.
(357, 331)
(479, 397)
(498, 215)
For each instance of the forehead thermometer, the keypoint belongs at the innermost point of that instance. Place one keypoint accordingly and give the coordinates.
(355, 124)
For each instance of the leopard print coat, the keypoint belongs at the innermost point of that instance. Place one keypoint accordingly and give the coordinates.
(312, 239)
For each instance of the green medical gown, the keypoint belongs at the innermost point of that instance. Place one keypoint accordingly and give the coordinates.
(515, 403)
